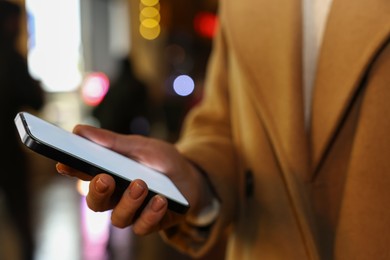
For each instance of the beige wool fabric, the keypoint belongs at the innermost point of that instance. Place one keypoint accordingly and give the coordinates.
(288, 192)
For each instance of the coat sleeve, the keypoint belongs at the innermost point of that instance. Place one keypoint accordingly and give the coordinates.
(206, 141)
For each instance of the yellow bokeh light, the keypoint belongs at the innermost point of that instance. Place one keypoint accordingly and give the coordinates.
(149, 18)
(156, 6)
(150, 23)
(150, 33)
(149, 2)
(150, 12)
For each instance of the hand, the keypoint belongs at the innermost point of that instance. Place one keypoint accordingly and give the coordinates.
(154, 153)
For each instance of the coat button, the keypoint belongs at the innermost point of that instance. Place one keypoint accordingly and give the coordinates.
(249, 184)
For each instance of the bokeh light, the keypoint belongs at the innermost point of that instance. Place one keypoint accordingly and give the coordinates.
(183, 85)
(94, 88)
(205, 24)
(149, 2)
(140, 125)
(149, 17)
(150, 12)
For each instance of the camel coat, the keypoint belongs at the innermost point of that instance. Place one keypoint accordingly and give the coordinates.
(288, 192)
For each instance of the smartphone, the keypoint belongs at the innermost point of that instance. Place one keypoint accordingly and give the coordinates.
(82, 154)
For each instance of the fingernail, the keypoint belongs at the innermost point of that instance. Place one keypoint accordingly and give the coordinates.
(136, 190)
(158, 203)
(101, 186)
(60, 170)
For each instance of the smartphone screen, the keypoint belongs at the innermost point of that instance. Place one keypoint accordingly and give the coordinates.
(80, 153)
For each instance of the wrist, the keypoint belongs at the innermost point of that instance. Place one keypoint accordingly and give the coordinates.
(206, 215)
(207, 209)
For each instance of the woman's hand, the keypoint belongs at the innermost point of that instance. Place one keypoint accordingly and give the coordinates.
(154, 153)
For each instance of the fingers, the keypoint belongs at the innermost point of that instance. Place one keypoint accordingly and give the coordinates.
(132, 207)
(132, 199)
(100, 195)
(133, 146)
(98, 135)
(127, 211)
(151, 217)
(69, 171)
(106, 138)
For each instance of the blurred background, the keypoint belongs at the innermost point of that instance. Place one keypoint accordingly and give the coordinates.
(132, 66)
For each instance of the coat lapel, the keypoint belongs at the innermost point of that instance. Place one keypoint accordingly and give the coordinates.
(268, 36)
(356, 30)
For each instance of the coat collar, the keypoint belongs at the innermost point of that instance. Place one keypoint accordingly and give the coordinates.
(269, 35)
(354, 34)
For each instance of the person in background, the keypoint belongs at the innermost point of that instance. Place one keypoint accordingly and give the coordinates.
(125, 108)
(289, 149)
(19, 91)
